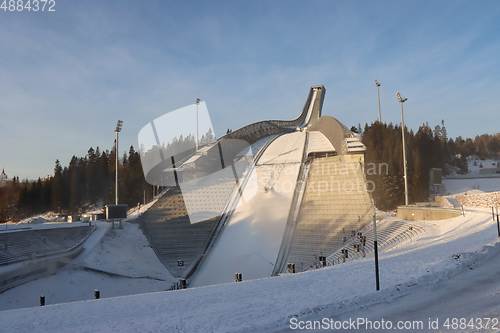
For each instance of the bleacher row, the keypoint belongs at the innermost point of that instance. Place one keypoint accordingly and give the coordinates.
(329, 214)
(27, 244)
(212, 198)
(389, 234)
(170, 232)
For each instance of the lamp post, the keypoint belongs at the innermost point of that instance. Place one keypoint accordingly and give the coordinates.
(375, 248)
(402, 100)
(197, 103)
(378, 92)
(117, 129)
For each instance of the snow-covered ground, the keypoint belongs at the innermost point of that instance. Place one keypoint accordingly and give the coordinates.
(476, 165)
(474, 183)
(450, 271)
(125, 253)
(444, 256)
(471, 186)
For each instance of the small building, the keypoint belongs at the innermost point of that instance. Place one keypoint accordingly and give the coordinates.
(94, 217)
(61, 218)
(74, 218)
(4, 179)
(435, 179)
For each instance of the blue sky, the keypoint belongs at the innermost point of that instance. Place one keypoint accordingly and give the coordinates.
(67, 76)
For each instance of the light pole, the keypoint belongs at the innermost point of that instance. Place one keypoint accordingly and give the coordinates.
(402, 100)
(378, 92)
(375, 248)
(117, 129)
(197, 103)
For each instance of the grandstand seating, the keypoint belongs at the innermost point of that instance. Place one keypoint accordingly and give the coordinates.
(26, 244)
(170, 232)
(333, 210)
(389, 235)
(205, 200)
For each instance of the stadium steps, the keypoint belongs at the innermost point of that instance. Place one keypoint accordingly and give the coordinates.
(389, 235)
(170, 233)
(334, 208)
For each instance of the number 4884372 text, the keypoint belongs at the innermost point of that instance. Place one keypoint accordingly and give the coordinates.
(29, 5)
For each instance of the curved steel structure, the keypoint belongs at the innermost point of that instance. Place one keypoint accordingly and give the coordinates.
(309, 116)
(175, 240)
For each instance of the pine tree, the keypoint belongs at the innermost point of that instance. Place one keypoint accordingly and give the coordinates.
(444, 134)
(57, 188)
(103, 176)
(92, 176)
(74, 186)
(482, 150)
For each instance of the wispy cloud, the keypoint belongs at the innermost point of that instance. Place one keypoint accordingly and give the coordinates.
(65, 79)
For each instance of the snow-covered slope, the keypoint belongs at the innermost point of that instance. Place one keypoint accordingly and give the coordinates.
(476, 165)
(250, 242)
(444, 251)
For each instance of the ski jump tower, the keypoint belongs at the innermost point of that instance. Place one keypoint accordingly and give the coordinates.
(294, 191)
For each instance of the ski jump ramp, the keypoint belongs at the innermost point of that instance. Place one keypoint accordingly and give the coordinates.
(252, 238)
(285, 192)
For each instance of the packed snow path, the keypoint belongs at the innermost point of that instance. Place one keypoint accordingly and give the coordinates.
(473, 294)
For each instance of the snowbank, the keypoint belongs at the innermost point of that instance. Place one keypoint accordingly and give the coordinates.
(485, 200)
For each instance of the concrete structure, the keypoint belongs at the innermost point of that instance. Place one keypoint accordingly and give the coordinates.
(27, 255)
(269, 212)
(435, 180)
(335, 207)
(390, 233)
(16, 246)
(419, 213)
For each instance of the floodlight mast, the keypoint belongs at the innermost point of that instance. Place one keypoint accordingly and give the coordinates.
(197, 103)
(117, 129)
(378, 93)
(402, 100)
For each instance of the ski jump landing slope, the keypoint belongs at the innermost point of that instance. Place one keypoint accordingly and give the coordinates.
(252, 238)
